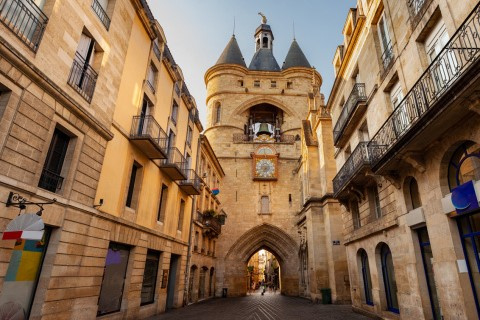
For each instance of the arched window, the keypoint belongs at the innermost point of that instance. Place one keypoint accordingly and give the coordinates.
(355, 214)
(218, 113)
(411, 194)
(367, 280)
(389, 278)
(265, 42)
(464, 165)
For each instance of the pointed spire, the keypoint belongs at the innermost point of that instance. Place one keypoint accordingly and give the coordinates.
(295, 57)
(232, 54)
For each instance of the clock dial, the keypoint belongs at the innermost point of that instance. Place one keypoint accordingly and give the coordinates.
(265, 168)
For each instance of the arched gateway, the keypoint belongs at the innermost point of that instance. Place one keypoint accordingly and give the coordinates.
(273, 197)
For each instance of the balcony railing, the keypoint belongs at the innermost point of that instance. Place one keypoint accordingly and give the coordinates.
(212, 223)
(82, 77)
(156, 50)
(25, 19)
(191, 185)
(460, 53)
(50, 181)
(357, 96)
(149, 137)
(357, 160)
(101, 13)
(284, 138)
(174, 165)
(387, 57)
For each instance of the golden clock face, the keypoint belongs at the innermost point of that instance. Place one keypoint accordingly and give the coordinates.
(265, 168)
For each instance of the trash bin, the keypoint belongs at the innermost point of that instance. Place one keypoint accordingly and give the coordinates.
(224, 292)
(326, 295)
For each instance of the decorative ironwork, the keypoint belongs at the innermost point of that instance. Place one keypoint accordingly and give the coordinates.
(460, 53)
(101, 13)
(192, 179)
(387, 57)
(148, 127)
(359, 158)
(50, 181)
(176, 158)
(284, 138)
(82, 77)
(25, 19)
(357, 95)
(156, 50)
(17, 201)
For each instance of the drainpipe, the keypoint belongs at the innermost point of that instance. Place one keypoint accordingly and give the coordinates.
(189, 254)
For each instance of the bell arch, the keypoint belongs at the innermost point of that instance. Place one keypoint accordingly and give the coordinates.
(272, 239)
(264, 100)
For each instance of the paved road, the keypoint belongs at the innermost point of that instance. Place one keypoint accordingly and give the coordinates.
(257, 307)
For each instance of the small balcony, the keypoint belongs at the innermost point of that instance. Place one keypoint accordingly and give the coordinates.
(174, 165)
(212, 225)
(352, 111)
(101, 13)
(353, 170)
(147, 135)
(192, 184)
(82, 77)
(50, 181)
(436, 100)
(25, 19)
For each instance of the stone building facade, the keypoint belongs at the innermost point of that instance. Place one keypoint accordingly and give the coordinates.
(95, 114)
(254, 123)
(405, 126)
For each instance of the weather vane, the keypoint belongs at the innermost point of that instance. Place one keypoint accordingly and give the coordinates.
(264, 19)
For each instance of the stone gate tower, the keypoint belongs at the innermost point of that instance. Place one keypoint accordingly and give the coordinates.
(256, 121)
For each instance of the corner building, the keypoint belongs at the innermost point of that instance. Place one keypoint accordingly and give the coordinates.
(254, 124)
(406, 129)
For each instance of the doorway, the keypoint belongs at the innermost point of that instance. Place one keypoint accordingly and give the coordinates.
(172, 279)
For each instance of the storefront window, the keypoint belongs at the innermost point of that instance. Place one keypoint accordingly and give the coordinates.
(150, 277)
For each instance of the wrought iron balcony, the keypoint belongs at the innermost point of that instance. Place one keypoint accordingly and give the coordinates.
(213, 225)
(352, 110)
(82, 77)
(25, 19)
(147, 135)
(101, 13)
(191, 185)
(174, 165)
(359, 159)
(387, 58)
(156, 50)
(428, 96)
(50, 181)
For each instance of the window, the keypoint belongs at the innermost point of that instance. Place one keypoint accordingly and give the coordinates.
(264, 205)
(100, 8)
(23, 273)
(133, 186)
(83, 77)
(218, 112)
(273, 84)
(265, 42)
(4, 98)
(171, 140)
(256, 83)
(289, 85)
(150, 277)
(436, 40)
(189, 136)
(385, 43)
(214, 246)
(416, 5)
(389, 278)
(174, 112)
(181, 215)
(240, 83)
(396, 95)
(162, 207)
(152, 77)
(414, 194)
(114, 274)
(363, 132)
(195, 241)
(427, 258)
(367, 280)
(355, 214)
(464, 165)
(374, 202)
(51, 178)
(188, 161)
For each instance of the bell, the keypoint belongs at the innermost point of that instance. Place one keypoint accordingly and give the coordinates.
(263, 129)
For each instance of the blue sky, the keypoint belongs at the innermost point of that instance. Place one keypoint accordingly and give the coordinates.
(198, 30)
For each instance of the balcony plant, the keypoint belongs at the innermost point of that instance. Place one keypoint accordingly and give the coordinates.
(210, 213)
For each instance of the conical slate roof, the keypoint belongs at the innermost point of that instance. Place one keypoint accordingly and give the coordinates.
(263, 60)
(231, 54)
(295, 57)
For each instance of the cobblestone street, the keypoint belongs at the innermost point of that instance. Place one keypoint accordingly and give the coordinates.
(257, 307)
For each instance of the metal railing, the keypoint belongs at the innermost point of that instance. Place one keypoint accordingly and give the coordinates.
(355, 161)
(387, 57)
(148, 127)
(356, 96)
(416, 5)
(175, 157)
(101, 13)
(25, 19)
(50, 181)
(213, 223)
(150, 85)
(156, 50)
(284, 138)
(192, 178)
(82, 77)
(460, 53)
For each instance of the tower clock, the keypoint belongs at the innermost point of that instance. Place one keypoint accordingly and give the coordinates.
(265, 164)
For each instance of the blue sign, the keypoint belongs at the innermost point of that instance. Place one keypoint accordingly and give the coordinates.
(464, 198)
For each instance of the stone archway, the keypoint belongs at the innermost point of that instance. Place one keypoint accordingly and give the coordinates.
(266, 237)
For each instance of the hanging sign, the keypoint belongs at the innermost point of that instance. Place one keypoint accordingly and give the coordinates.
(464, 198)
(27, 226)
